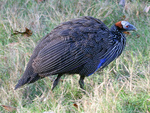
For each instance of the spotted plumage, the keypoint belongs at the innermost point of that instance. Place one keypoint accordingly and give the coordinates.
(80, 46)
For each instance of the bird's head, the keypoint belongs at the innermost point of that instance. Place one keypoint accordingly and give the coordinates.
(125, 26)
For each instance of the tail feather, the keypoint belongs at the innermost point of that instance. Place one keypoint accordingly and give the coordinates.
(21, 82)
(29, 76)
(27, 80)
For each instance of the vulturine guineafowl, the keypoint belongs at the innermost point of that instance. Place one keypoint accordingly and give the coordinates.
(80, 46)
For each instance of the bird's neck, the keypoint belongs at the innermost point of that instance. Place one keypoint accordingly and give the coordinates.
(114, 29)
(117, 34)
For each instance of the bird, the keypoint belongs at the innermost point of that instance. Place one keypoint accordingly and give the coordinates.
(79, 46)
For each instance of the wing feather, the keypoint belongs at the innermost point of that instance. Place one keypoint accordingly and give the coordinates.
(58, 59)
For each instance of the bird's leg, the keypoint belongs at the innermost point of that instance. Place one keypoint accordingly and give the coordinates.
(81, 82)
(56, 81)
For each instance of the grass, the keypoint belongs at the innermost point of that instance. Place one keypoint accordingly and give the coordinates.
(122, 87)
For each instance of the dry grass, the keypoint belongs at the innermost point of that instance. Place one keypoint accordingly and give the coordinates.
(124, 86)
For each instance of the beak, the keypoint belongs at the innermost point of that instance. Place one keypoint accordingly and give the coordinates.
(132, 28)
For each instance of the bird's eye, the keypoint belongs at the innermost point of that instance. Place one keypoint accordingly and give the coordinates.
(127, 26)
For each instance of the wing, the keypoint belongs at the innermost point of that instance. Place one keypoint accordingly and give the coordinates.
(58, 58)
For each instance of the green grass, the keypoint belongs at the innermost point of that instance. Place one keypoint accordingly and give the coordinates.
(122, 87)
